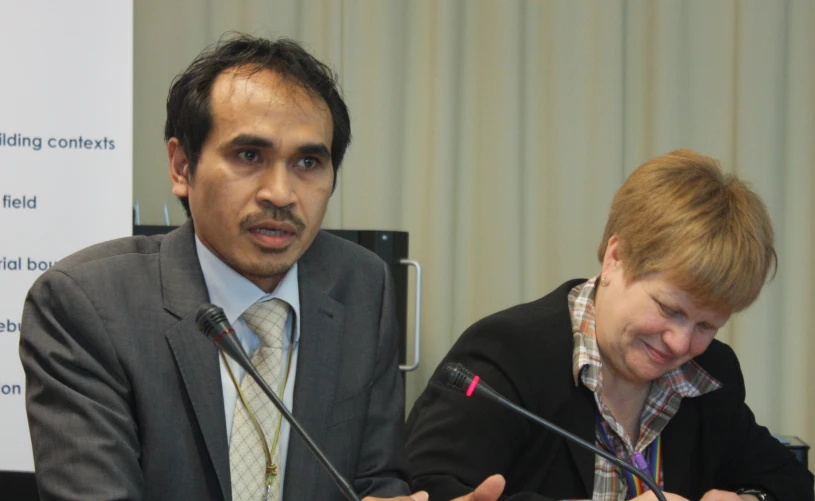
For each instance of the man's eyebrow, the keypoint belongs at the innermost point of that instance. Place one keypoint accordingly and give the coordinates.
(250, 140)
(316, 149)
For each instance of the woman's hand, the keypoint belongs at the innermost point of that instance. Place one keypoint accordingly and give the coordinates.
(715, 495)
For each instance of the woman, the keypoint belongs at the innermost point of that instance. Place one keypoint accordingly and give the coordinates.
(626, 360)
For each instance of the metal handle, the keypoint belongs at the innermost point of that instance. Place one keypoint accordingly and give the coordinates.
(417, 324)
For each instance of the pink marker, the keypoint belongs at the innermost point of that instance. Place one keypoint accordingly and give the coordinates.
(474, 383)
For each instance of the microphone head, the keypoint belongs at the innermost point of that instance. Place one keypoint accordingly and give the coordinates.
(457, 376)
(211, 320)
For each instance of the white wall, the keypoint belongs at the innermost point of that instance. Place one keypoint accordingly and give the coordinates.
(66, 88)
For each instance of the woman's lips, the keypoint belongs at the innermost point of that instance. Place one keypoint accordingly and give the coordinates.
(656, 355)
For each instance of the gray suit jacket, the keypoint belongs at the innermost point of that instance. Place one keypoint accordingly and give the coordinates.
(124, 396)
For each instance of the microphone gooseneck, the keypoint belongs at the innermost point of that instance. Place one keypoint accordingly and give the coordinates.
(212, 322)
(459, 378)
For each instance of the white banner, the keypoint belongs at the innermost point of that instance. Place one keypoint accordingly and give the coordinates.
(66, 114)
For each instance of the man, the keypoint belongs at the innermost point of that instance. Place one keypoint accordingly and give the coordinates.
(128, 401)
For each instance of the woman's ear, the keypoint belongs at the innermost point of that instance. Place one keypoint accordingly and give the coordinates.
(612, 265)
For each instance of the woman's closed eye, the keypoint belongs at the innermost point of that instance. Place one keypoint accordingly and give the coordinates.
(667, 311)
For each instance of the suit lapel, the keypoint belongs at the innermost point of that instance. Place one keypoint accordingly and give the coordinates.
(318, 366)
(576, 407)
(184, 289)
(581, 405)
(677, 446)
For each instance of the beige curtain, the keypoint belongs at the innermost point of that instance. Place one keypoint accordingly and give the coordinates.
(496, 133)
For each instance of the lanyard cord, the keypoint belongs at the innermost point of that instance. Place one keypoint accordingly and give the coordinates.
(652, 468)
(271, 468)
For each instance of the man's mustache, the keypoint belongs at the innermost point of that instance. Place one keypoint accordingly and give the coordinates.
(279, 214)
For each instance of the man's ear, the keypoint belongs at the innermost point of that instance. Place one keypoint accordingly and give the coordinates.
(179, 168)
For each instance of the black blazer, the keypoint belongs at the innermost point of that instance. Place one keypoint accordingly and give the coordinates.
(525, 353)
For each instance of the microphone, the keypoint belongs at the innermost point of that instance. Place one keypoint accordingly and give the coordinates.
(212, 322)
(461, 379)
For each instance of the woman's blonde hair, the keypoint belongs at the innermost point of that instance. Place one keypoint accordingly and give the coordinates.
(705, 231)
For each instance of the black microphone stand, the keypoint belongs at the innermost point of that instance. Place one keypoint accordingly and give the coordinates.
(458, 376)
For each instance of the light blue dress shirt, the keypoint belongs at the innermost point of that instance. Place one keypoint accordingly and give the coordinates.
(235, 293)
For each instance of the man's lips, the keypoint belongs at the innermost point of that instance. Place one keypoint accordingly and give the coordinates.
(273, 235)
(273, 227)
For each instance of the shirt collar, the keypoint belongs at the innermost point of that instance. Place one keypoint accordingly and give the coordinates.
(235, 293)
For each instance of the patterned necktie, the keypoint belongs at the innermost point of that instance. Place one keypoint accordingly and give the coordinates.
(247, 457)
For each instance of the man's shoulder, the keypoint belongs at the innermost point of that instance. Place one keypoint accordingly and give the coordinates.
(126, 253)
(341, 268)
(126, 248)
(333, 252)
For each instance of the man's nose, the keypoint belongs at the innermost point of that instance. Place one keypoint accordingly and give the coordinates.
(276, 186)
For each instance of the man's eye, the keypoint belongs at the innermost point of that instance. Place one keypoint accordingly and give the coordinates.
(308, 163)
(249, 155)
